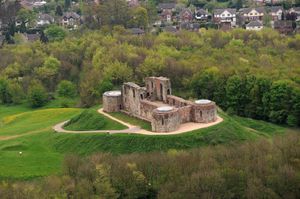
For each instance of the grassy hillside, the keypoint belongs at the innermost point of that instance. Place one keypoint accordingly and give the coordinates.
(43, 150)
(132, 120)
(91, 120)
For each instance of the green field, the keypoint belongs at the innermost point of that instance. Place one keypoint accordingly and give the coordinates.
(132, 120)
(43, 149)
(90, 119)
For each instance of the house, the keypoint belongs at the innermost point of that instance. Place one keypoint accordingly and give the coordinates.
(253, 14)
(254, 25)
(166, 6)
(201, 14)
(225, 17)
(70, 20)
(166, 16)
(186, 15)
(284, 26)
(44, 19)
(136, 31)
(276, 12)
(296, 12)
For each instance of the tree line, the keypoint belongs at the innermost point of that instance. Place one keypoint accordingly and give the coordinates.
(260, 169)
(252, 74)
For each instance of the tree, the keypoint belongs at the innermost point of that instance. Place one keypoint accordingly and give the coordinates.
(4, 91)
(37, 95)
(16, 92)
(139, 17)
(55, 33)
(58, 11)
(26, 17)
(66, 89)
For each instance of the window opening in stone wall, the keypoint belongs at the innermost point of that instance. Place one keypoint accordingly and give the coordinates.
(200, 114)
(168, 92)
(142, 97)
(133, 93)
(161, 91)
(162, 121)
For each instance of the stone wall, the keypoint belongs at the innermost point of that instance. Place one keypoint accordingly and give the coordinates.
(185, 114)
(132, 95)
(147, 108)
(177, 101)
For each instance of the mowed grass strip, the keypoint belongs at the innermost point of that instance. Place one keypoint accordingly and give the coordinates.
(90, 120)
(132, 120)
(32, 120)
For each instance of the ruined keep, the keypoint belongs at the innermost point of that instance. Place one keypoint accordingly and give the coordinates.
(156, 104)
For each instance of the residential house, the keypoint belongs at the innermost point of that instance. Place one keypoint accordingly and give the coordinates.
(202, 15)
(186, 15)
(225, 17)
(166, 6)
(284, 26)
(254, 25)
(166, 16)
(276, 12)
(296, 12)
(253, 14)
(70, 20)
(44, 19)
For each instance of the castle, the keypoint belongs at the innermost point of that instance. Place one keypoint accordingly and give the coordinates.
(156, 104)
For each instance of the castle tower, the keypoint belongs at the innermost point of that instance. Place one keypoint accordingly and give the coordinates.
(112, 101)
(204, 111)
(165, 119)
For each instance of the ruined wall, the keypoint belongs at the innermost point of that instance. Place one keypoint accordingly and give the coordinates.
(165, 121)
(147, 108)
(177, 101)
(185, 114)
(132, 95)
(158, 88)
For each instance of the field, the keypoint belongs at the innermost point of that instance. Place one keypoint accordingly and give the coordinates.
(43, 150)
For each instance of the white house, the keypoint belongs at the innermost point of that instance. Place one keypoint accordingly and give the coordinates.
(226, 15)
(254, 25)
(201, 14)
(253, 14)
(44, 19)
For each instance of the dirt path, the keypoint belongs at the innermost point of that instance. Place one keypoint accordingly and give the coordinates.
(136, 129)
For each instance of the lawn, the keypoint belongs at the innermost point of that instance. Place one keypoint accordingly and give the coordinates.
(91, 120)
(44, 150)
(132, 120)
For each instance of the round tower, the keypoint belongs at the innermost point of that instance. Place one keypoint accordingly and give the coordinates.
(204, 111)
(112, 101)
(165, 119)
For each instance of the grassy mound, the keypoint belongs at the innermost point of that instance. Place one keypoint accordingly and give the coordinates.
(132, 120)
(91, 120)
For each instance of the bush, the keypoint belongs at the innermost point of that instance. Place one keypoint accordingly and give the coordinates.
(66, 89)
(37, 95)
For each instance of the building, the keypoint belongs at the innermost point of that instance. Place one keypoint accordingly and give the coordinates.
(201, 14)
(254, 25)
(70, 20)
(44, 19)
(156, 104)
(186, 15)
(225, 17)
(253, 14)
(136, 31)
(276, 12)
(166, 6)
(296, 12)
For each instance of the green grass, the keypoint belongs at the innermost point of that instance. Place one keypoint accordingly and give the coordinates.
(132, 120)
(92, 120)
(44, 150)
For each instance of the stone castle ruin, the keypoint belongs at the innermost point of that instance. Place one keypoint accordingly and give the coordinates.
(156, 104)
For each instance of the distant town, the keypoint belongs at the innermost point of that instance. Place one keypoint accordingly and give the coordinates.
(30, 18)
